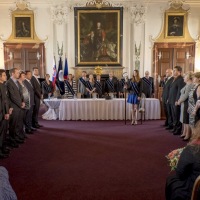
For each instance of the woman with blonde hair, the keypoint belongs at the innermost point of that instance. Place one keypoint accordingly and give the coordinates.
(193, 97)
(90, 86)
(183, 101)
(179, 186)
(196, 96)
(134, 88)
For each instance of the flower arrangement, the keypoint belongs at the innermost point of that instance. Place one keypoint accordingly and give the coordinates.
(173, 158)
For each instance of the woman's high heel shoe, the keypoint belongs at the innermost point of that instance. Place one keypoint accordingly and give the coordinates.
(135, 122)
(182, 136)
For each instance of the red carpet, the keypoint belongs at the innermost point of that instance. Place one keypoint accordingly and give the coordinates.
(95, 160)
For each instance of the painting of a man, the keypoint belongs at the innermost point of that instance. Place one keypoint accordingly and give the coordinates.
(98, 37)
(23, 26)
(175, 25)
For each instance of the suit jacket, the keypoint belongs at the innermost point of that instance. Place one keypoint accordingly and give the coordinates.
(147, 89)
(15, 94)
(31, 92)
(115, 84)
(98, 90)
(166, 87)
(81, 87)
(175, 88)
(36, 87)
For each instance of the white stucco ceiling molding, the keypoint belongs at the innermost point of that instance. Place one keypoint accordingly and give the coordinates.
(138, 13)
(59, 13)
(21, 5)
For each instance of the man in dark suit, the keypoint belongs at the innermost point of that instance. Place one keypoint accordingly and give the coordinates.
(99, 85)
(29, 112)
(148, 85)
(165, 95)
(112, 85)
(174, 94)
(4, 115)
(37, 97)
(17, 103)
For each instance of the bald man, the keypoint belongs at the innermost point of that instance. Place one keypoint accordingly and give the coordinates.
(168, 80)
(148, 85)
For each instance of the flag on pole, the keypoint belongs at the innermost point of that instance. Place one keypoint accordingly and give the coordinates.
(59, 68)
(66, 69)
(54, 72)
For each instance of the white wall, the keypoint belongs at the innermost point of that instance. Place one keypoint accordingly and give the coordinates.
(45, 28)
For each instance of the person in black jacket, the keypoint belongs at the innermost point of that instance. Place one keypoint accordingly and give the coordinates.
(179, 186)
(37, 96)
(165, 96)
(29, 112)
(174, 94)
(4, 115)
(112, 85)
(17, 103)
(147, 85)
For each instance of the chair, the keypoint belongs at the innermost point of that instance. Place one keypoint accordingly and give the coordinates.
(142, 107)
(196, 189)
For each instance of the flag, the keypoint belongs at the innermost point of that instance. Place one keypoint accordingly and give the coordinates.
(54, 72)
(59, 68)
(66, 69)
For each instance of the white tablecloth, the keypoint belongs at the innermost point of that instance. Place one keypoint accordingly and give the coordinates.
(101, 109)
(53, 111)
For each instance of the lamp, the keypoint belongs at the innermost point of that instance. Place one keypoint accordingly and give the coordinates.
(187, 55)
(159, 55)
(38, 56)
(10, 55)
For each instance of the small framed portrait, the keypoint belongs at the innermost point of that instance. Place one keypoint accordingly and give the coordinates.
(23, 26)
(175, 25)
(98, 36)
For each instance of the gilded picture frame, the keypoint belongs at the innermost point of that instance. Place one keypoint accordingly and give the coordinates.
(98, 36)
(175, 25)
(23, 26)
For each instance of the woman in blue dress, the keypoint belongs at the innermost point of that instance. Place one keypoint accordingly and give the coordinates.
(134, 88)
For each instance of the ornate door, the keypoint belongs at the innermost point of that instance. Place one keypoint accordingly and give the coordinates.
(25, 56)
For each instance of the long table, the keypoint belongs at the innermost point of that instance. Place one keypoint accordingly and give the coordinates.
(97, 109)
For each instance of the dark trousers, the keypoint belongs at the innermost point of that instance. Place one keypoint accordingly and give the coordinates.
(28, 118)
(14, 122)
(36, 111)
(166, 113)
(175, 113)
(20, 129)
(3, 132)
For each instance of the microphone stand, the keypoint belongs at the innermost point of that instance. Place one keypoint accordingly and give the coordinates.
(125, 90)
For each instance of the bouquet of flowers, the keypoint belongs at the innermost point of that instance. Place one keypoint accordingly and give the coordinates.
(173, 158)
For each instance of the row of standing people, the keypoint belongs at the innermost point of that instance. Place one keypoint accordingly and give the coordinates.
(88, 86)
(180, 100)
(20, 98)
(180, 97)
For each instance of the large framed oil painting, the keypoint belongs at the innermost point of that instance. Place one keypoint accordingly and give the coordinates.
(98, 36)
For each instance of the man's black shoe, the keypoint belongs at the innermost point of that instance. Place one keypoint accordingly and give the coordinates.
(2, 155)
(19, 141)
(177, 132)
(173, 130)
(39, 125)
(33, 129)
(5, 151)
(36, 126)
(169, 128)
